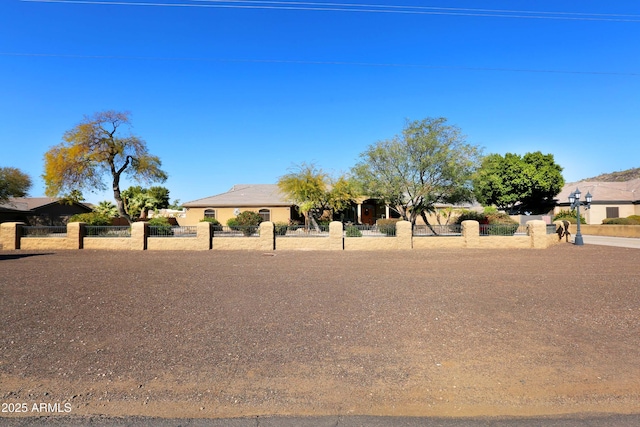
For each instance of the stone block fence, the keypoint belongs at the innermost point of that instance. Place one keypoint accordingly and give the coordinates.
(266, 238)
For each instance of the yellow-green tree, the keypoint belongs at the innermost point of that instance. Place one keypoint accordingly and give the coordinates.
(100, 146)
(314, 191)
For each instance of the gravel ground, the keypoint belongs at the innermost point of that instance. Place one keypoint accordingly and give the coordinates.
(446, 333)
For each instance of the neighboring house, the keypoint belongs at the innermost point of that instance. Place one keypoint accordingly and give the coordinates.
(40, 210)
(265, 199)
(610, 199)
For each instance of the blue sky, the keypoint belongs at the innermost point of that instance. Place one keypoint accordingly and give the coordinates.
(239, 92)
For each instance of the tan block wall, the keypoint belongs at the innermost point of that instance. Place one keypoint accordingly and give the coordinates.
(107, 243)
(370, 243)
(267, 241)
(236, 243)
(303, 243)
(44, 243)
(502, 242)
(424, 242)
(194, 215)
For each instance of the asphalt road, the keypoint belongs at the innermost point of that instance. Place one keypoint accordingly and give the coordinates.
(332, 421)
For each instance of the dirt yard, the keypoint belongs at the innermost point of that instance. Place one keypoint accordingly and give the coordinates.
(225, 334)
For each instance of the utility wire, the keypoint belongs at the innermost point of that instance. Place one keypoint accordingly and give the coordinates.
(364, 8)
(337, 63)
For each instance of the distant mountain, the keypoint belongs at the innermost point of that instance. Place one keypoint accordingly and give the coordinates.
(621, 176)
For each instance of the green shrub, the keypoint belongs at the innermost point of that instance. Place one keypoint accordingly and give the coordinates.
(161, 226)
(620, 221)
(387, 226)
(210, 220)
(247, 222)
(281, 228)
(471, 216)
(215, 224)
(567, 215)
(352, 231)
(91, 218)
(635, 218)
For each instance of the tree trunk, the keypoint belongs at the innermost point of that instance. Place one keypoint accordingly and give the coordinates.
(116, 187)
(118, 197)
(426, 221)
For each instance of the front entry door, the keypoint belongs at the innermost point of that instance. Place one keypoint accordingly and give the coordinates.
(368, 214)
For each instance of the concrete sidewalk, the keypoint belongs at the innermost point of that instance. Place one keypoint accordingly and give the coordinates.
(622, 242)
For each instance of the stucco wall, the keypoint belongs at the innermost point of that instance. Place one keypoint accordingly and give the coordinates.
(194, 215)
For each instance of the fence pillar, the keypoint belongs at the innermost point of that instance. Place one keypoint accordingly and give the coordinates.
(139, 235)
(336, 236)
(267, 236)
(75, 235)
(203, 235)
(10, 235)
(471, 233)
(404, 235)
(537, 230)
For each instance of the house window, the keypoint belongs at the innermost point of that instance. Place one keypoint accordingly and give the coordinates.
(210, 213)
(265, 214)
(613, 212)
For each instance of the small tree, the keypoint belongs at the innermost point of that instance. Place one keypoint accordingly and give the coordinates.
(13, 183)
(314, 191)
(429, 163)
(99, 146)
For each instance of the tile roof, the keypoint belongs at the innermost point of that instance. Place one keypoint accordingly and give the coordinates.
(628, 191)
(30, 203)
(241, 195)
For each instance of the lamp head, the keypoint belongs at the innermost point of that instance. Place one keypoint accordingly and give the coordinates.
(588, 197)
(577, 194)
(572, 198)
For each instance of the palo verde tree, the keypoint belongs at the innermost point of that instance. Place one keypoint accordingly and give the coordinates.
(429, 163)
(13, 183)
(315, 192)
(518, 183)
(101, 145)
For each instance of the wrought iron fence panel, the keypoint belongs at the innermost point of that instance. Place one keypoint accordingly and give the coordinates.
(173, 231)
(302, 230)
(43, 231)
(366, 230)
(236, 231)
(107, 231)
(437, 230)
(500, 229)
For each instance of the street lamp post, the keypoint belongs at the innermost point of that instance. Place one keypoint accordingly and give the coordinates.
(574, 200)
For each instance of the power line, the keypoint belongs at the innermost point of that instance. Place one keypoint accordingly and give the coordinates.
(335, 63)
(365, 8)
